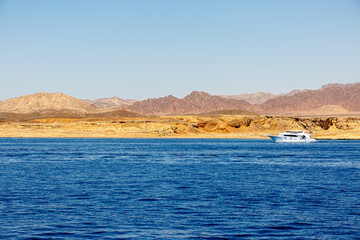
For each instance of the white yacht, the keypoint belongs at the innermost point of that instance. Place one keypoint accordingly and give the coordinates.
(293, 136)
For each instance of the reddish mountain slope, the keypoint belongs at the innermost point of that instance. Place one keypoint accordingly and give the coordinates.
(346, 96)
(196, 102)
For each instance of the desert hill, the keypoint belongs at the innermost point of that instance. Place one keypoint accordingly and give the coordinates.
(45, 102)
(331, 99)
(347, 97)
(115, 114)
(65, 114)
(194, 126)
(330, 110)
(260, 98)
(194, 103)
(228, 112)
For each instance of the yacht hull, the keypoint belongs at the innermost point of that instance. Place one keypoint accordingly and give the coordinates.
(291, 139)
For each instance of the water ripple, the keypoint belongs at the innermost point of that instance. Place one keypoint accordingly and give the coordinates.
(178, 189)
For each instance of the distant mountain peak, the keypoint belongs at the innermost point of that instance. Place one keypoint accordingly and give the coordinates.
(346, 96)
(171, 97)
(339, 85)
(45, 101)
(197, 95)
(336, 97)
(253, 98)
(194, 103)
(110, 102)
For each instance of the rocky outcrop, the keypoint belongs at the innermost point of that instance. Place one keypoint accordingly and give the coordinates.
(241, 122)
(229, 126)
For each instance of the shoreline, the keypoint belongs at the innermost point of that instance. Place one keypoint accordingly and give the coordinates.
(186, 127)
(321, 139)
(212, 136)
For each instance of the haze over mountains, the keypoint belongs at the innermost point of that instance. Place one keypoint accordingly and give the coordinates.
(110, 102)
(252, 98)
(330, 99)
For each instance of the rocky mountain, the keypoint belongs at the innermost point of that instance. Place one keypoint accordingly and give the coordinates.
(345, 96)
(332, 99)
(293, 92)
(110, 102)
(45, 102)
(253, 98)
(194, 103)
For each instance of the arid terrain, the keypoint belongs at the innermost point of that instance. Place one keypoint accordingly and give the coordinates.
(191, 126)
(331, 112)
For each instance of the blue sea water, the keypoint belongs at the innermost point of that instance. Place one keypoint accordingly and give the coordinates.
(178, 189)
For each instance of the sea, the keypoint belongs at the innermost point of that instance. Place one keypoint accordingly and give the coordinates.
(53, 188)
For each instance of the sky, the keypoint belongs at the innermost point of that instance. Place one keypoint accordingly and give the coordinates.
(139, 49)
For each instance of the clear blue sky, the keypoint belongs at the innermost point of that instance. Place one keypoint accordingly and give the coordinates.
(152, 48)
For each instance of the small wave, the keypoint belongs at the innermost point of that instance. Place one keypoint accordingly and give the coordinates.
(301, 224)
(147, 200)
(237, 236)
(281, 227)
(209, 155)
(54, 234)
(98, 232)
(80, 196)
(16, 155)
(7, 161)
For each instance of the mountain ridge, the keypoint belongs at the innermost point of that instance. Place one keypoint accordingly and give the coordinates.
(196, 102)
(341, 98)
(346, 97)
